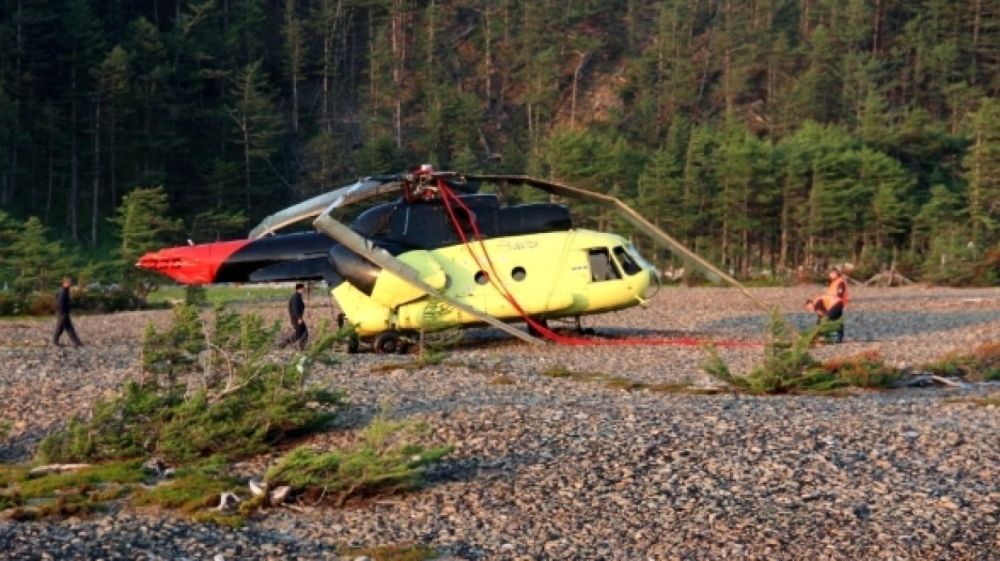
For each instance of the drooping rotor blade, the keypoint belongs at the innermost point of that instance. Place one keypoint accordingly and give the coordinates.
(363, 189)
(359, 245)
(636, 219)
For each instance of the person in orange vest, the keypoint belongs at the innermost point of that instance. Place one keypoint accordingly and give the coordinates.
(830, 305)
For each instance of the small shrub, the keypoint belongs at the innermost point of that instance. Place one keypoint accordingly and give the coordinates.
(207, 395)
(788, 366)
(5, 427)
(189, 492)
(195, 295)
(439, 332)
(8, 304)
(980, 365)
(386, 461)
(214, 396)
(864, 370)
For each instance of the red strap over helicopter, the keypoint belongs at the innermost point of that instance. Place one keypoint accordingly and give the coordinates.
(449, 198)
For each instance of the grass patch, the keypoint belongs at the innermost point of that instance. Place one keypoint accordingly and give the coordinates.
(5, 427)
(217, 295)
(87, 490)
(112, 473)
(789, 368)
(980, 365)
(188, 493)
(390, 552)
(386, 461)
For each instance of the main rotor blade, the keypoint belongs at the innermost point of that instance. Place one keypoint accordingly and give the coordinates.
(359, 245)
(636, 219)
(363, 189)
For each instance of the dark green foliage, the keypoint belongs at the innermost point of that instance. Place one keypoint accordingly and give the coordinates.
(240, 107)
(385, 461)
(35, 263)
(165, 355)
(788, 366)
(143, 225)
(195, 295)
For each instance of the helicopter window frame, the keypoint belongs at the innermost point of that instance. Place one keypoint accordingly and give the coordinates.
(602, 266)
(625, 260)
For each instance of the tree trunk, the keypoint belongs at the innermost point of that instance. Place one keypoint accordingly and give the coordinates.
(399, 52)
(95, 195)
(576, 81)
(111, 157)
(71, 202)
(976, 22)
(50, 180)
(488, 58)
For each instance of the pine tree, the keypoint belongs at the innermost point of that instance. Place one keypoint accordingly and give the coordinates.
(982, 165)
(252, 112)
(36, 262)
(143, 225)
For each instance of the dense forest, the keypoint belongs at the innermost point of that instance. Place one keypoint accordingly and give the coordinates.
(770, 135)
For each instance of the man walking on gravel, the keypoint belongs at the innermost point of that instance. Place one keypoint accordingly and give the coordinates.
(63, 322)
(830, 305)
(296, 313)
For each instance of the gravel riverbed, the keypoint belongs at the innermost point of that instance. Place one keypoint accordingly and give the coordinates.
(548, 468)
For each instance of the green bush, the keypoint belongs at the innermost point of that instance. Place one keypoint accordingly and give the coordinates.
(789, 367)
(204, 396)
(386, 461)
(980, 365)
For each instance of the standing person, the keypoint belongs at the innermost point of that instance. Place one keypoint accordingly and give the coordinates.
(297, 313)
(830, 305)
(63, 321)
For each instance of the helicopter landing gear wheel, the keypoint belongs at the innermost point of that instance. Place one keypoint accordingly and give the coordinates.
(389, 342)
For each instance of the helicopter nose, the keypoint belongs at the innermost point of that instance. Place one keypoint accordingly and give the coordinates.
(191, 264)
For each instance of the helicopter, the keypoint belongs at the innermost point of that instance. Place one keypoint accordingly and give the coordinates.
(441, 254)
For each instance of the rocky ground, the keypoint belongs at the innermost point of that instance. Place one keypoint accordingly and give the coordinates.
(549, 468)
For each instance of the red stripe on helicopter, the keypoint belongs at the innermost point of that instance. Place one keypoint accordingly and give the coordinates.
(191, 264)
(447, 196)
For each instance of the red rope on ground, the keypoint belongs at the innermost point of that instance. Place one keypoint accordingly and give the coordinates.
(449, 197)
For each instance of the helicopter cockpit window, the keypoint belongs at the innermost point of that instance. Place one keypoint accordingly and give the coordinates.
(628, 264)
(602, 268)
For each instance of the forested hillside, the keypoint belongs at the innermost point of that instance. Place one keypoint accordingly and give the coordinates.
(768, 134)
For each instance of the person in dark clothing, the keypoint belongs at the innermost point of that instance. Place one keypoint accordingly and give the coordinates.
(297, 313)
(63, 322)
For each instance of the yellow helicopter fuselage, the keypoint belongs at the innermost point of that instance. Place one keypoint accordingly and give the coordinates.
(549, 275)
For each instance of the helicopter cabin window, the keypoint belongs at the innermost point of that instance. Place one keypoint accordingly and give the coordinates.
(602, 268)
(628, 264)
